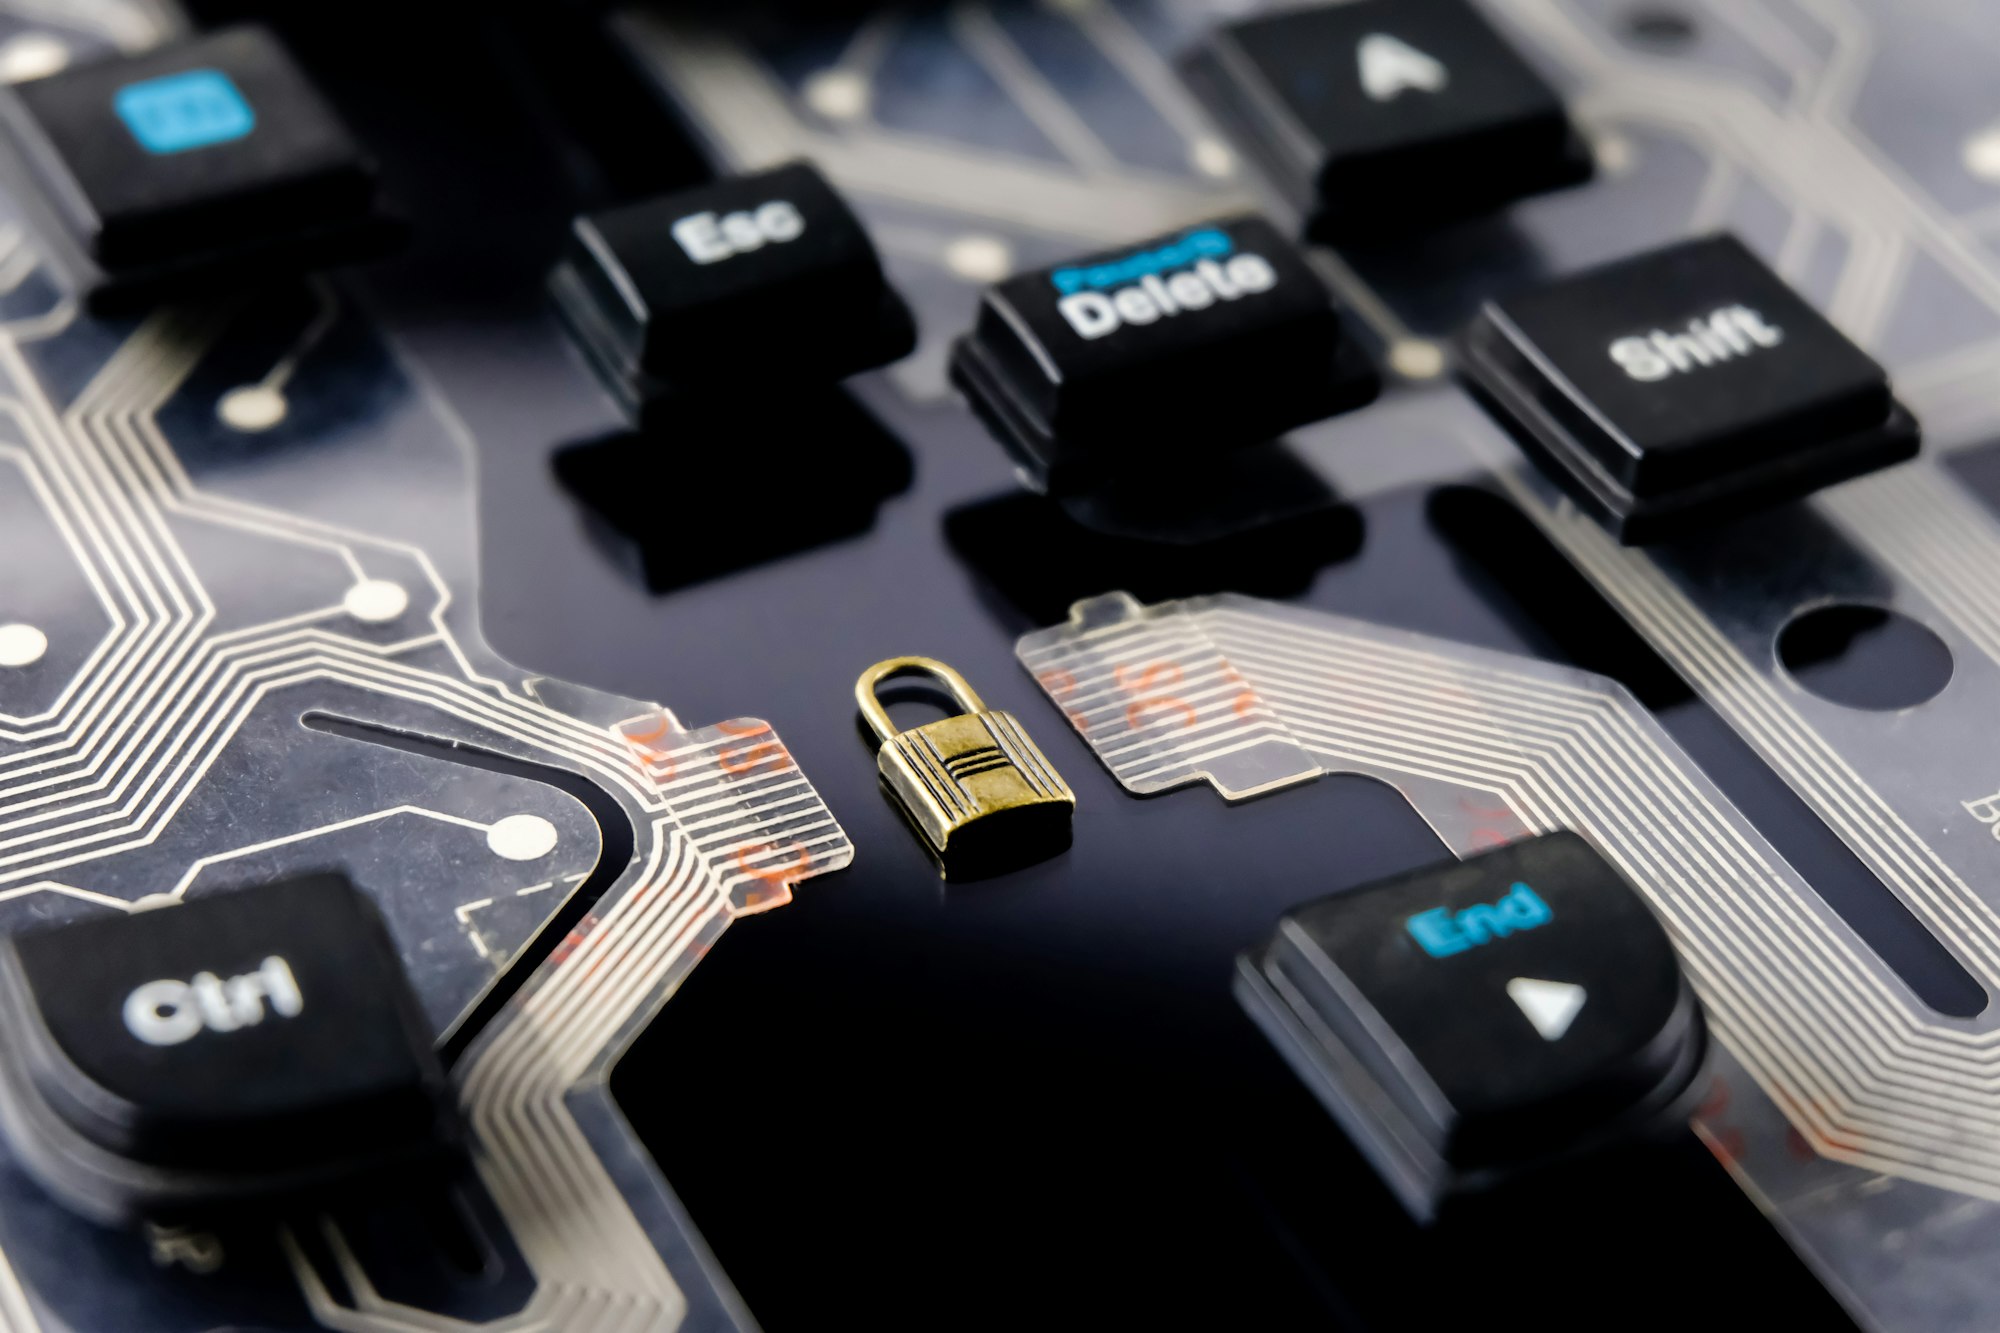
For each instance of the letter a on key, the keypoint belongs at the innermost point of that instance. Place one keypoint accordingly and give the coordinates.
(1390, 65)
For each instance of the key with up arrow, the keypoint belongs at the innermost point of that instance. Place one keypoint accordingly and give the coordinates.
(1379, 115)
(1471, 1021)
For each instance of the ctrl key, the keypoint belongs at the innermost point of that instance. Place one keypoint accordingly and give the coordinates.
(1470, 1022)
(241, 1046)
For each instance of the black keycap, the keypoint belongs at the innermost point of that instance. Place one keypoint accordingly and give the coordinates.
(1470, 1021)
(1684, 385)
(205, 161)
(1156, 352)
(243, 1044)
(766, 279)
(1382, 114)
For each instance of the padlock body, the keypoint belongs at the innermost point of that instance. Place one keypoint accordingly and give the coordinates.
(975, 777)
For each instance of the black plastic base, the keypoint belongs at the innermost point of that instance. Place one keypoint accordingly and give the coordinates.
(1416, 1170)
(199, 273)
(1636, 520)
(1351, 382)
(1396, 196)
(648, 400)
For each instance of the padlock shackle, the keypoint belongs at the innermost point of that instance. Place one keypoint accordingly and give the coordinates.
(871, 680)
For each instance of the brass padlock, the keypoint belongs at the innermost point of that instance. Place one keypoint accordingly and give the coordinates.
(973, 784)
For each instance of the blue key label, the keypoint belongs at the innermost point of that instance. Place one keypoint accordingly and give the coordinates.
(1201, 269)
(1201, 243)
(177, 112)
(1443, 932)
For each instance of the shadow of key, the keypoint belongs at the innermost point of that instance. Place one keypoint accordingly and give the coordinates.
(678, 504)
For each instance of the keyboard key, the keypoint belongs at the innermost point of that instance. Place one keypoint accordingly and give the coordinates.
(242, 1044)
(1684, 385)
(209, 160)
(1382, 114)
(764, 279)
(1471, 1021)
(1163, 350)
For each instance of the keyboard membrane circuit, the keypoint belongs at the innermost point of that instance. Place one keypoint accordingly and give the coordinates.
(1855, 1096)
(1564, 424)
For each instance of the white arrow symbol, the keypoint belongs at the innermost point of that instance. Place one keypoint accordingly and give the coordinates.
(1550, 1005)
(1389, 65)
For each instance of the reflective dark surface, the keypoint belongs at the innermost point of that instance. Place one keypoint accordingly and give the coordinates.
(1028, 1100)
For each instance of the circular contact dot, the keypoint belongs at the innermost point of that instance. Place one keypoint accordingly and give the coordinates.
(1211, 157)
(980, 258)
(251, 407)
(839, 94)
(21, 645)
(1416, 359)
(1982, 154)
(1614, 153)
(376, 601)
(32, 55)
(522, 838)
